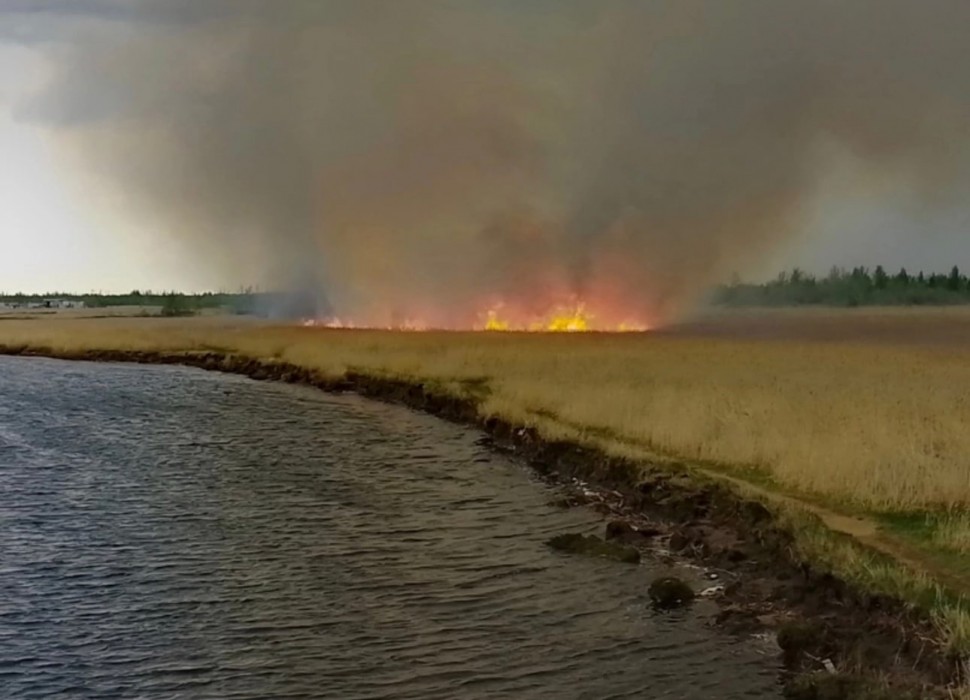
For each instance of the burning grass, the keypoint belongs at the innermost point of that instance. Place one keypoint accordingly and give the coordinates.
(573, 317)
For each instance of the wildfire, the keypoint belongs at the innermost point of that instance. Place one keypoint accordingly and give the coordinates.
(570, 322)
(571, 317)
(327, 323)
(494, 323)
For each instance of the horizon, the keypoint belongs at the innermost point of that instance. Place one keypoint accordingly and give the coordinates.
(250, 290)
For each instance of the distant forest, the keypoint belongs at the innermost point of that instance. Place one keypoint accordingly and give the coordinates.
(857, 287)
(168, 303)
(246, 301)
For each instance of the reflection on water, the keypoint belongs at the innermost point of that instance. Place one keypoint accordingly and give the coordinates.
(169, 533)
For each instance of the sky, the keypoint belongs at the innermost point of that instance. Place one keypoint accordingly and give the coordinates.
(54, 239)
(62, 228)
(55, 235)
(57, 231)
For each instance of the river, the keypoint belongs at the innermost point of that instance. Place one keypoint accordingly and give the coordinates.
(171, 533)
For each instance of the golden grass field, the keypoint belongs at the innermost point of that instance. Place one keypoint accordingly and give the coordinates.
(860, 412)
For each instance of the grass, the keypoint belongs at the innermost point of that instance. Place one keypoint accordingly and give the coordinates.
(953, 533)
(872, 428)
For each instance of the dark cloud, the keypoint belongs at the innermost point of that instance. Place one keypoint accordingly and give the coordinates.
(435, 157)
(33, 22)
(181, 11)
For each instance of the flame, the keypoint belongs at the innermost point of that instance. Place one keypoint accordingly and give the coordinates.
(572, 317)
(494, 323)
(570, 322)
(632, 327)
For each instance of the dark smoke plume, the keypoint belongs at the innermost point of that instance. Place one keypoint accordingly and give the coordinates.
(432, 157)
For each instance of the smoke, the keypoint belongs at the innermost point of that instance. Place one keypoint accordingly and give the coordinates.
(432, 158)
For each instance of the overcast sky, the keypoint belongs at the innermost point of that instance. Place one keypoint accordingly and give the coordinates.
(57, 234)
(58, 229)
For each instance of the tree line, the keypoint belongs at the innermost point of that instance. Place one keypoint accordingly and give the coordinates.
(170, 303)
(859, 286)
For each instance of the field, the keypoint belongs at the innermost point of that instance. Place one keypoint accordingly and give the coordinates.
(859, 415)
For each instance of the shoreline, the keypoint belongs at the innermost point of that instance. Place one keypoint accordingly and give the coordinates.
(881, 645)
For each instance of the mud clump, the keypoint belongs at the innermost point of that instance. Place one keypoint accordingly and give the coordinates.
(670, 592)
(624, 531)
(571, 501)
(799, 638)
(592, 546)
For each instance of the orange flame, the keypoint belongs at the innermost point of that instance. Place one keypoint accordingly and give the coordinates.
(573, 317)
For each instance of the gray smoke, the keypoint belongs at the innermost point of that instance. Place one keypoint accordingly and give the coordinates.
(423, 157)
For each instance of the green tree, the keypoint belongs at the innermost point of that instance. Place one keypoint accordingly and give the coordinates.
(880, 279)
(953, 282)
(176, 305)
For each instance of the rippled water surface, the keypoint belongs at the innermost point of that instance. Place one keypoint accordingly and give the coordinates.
(171, 533)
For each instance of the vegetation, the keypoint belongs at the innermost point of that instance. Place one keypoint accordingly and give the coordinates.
(244, 301)
(858, 287)
(177, 305)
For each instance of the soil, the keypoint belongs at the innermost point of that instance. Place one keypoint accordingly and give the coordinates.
(880, 646)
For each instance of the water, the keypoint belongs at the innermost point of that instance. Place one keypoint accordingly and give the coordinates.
(171, 533)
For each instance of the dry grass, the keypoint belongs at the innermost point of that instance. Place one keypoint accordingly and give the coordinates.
(93, 312)
(876, 424)
(953, 533)
(954, 623)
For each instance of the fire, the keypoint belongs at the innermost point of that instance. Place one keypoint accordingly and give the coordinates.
(493, 323)
(570, 322)
(569, 318)
(405, 325)
(573, 317)
(327, 323)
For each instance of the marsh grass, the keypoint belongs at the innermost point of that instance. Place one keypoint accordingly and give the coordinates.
(952, 532)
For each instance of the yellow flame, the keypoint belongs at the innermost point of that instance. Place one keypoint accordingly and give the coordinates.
(632, 327)
(575, 321)
(560, 319)
(494, 323)
(563, 320)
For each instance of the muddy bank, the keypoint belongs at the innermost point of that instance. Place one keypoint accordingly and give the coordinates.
(821, 622)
